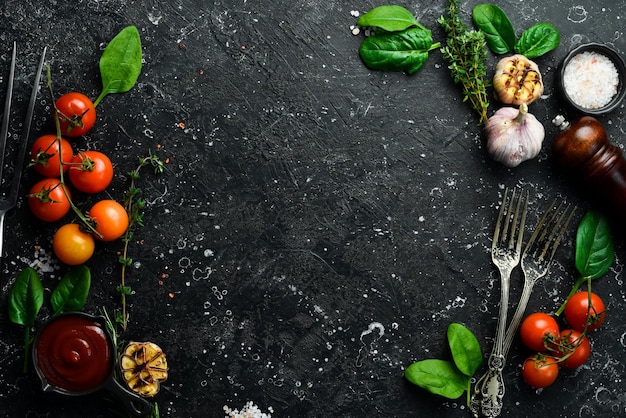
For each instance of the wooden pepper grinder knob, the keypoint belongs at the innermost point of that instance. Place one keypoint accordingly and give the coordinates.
(583, 149)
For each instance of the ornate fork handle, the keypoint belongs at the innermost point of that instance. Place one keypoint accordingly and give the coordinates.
(489, 390)
(505, 252)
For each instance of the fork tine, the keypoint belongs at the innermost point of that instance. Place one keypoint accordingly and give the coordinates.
(496, 232)
(510, 212)
(560, 232)
(518, 244)
(549, 231)
(6, 114)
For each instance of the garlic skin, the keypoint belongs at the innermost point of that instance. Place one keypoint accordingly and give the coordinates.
(514, 135)
(517, 80)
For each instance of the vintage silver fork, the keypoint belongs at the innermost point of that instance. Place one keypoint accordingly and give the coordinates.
(537, 257)
(506, 248)
(536, 260)
(9, 201)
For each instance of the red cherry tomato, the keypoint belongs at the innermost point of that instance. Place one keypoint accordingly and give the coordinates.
(538, 330)
(540, 371)
(45, 155)
(575, 345)
(585, 309)
(73, 246)
(111, 219)
(77, 114)
(47, 201)
(91, 171)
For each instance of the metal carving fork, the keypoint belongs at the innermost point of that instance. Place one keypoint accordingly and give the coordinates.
(537, 257)
(506, 249)
(536, 260)
(8, 201)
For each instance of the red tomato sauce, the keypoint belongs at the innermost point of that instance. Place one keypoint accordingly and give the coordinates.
(74, 353)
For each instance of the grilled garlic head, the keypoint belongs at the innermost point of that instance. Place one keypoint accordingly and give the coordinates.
(517, 80)
(144, 367)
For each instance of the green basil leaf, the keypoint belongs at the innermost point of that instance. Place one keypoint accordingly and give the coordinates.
(497, 27)
(120, 64)
(594, 246)
(538, 40)
(465, 349)
(71, 292)
(399, 51)
(390, 18)
(25, 298)
(440, 377)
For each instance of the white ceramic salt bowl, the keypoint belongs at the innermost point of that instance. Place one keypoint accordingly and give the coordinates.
(617, 60)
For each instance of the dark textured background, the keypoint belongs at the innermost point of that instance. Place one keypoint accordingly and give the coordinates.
(319, 225)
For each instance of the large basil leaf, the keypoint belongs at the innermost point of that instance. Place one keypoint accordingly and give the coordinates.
(25, 298)
(496, 26)
(120, 63)
(465, 349)
(594, 246)
(71, 292)
(538, 40)
(390, 18)
(399, 51)
(440, 377)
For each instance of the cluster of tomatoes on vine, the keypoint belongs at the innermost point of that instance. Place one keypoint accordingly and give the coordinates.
(89, 171)
(555, 348)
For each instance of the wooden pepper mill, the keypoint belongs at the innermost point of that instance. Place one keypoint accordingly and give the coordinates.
(583, 149)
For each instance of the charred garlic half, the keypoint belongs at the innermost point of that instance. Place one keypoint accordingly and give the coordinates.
(517, 80)
(144, 367)
(513, 135)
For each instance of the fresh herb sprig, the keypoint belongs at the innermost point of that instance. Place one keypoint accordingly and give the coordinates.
(134, 206)
(466, 53)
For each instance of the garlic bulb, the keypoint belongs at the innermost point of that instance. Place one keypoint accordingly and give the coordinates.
(513, 135)
(517, 80)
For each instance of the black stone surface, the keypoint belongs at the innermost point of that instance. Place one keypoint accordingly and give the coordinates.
(319, 225)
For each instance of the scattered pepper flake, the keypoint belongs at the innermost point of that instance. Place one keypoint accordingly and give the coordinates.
(171, 295)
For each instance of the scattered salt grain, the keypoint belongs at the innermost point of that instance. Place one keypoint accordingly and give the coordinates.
(249, 410)
(591, 80)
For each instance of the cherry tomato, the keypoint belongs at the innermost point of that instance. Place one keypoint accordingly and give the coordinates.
(580, 313)
(91, 171)
(540, 371)
(73, 246)
(111, 219)
(538, 330)
(77, 114)
(45, 155)
(575, 345)
(47, 201)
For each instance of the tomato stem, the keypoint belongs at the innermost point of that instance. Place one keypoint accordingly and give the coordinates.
(85, 221)
(575, 288)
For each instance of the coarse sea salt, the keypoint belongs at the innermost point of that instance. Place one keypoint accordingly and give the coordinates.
(591, 80)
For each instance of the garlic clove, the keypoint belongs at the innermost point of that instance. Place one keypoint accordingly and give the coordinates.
(517, 80)
(514, 135)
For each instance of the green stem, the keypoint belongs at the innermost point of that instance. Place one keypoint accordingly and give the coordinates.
(575, 288)
(99, 99)
(27, 342)
(84, 220)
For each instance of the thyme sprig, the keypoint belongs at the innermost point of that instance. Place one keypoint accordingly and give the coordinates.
(134, 206)
(466, 53)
